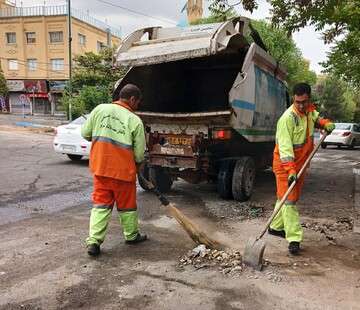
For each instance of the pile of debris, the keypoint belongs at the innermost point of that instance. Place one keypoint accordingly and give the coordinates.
(227, 262)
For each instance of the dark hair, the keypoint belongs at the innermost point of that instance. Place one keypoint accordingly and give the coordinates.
(128, 91)
(302, 89)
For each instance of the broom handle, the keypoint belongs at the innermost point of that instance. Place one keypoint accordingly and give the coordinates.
(164, 201)
(282, 201)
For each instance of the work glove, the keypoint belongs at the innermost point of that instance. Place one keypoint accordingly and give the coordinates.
(329, 127)
(291, 177)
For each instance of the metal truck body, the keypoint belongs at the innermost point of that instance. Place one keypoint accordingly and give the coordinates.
(211, 101)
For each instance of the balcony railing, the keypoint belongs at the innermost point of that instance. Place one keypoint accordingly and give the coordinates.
(58, 10)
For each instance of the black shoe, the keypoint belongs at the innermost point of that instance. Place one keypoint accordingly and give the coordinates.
(93, 249)
(277, 233)
(294, 247)
(139, 238)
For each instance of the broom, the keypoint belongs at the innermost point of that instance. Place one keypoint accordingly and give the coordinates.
(191, 229)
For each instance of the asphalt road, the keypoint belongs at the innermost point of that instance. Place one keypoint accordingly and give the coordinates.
(44, 211)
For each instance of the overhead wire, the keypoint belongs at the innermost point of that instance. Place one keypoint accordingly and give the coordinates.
(138, 13)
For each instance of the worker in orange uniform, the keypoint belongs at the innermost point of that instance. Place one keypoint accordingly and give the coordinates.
(294, 143)
(118, 144)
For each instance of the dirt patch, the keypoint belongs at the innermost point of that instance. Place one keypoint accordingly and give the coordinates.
(332, 230)
(235, 210)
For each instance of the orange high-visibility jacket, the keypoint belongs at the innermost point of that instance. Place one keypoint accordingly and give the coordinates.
(118, 141)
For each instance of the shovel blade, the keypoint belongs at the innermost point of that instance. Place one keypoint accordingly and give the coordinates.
(254, 253)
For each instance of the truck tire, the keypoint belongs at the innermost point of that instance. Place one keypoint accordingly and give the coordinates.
(243, 178)
(224, 179)
(160, 178)
(145, 173)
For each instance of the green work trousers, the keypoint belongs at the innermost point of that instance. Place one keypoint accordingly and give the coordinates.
(99, 220)
(288, 220)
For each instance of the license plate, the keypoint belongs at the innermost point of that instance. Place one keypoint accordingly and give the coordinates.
(179, 140)
(69, 148)
(172, 151)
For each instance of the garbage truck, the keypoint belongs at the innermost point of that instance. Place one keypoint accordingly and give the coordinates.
(212, 95)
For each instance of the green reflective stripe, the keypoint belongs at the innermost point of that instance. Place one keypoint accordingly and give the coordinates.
(109, 140)
(102, 206)
(255, 132)
(287, 159)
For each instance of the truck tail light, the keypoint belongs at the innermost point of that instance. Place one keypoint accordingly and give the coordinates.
(221, 134)
(346, 133)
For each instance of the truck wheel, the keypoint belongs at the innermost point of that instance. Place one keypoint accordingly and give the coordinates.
(160, 178)
(224, 179)
(243, 178)
(145, 173)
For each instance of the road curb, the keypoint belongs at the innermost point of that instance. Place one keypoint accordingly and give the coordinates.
(356, 172)
(36, 126)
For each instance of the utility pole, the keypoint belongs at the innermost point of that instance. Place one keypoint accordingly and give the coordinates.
(70, 57)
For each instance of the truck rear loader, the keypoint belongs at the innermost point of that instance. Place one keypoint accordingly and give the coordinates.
(212, 96)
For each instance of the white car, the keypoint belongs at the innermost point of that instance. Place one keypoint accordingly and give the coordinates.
(68, 140)
(344, 134)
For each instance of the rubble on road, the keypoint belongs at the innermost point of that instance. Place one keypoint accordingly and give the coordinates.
(201, 257)
(235, 210)
(228, 262)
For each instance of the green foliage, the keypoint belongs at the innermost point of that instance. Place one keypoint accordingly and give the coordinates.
(92, 81)
(86, 99)
(284, 49)
(337, 20)
(222, 7)
(336, 99)
(3, 87)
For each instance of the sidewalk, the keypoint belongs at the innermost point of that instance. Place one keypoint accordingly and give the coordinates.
(31, 121)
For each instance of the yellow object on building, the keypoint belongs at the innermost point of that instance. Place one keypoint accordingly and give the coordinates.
(34, 46)
(194, 10)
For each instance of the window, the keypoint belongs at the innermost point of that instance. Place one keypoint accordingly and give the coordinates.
(82, 39)
(30, 37)
(57, 64)
(32, 64)
(56, 36)
(11, 37)
(100, 46)
(13, 64)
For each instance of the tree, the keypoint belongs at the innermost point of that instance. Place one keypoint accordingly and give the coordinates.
(338, 21)
(284, 49)
(3, 87)
(92, 82)
(335, 99)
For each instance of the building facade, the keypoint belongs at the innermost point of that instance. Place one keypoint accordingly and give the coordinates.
(34, 52)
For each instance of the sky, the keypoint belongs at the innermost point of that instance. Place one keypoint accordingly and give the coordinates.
(167, 13)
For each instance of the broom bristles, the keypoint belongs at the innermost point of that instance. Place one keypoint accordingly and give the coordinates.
(194, 233)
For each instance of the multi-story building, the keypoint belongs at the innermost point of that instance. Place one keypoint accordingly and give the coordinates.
(34, 52)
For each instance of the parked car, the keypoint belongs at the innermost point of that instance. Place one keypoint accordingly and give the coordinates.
(344, 134)
(68, 140)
